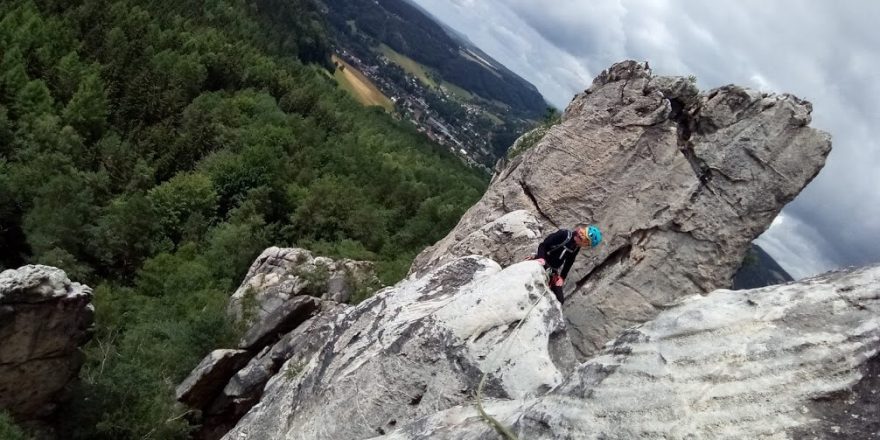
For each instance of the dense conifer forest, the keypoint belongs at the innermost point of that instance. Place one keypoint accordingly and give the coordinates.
(152, 149)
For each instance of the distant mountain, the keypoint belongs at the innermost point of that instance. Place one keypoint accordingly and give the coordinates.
(449, 29)
(759, 269)
(410, 30)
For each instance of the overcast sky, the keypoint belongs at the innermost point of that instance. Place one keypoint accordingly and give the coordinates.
(826, 52)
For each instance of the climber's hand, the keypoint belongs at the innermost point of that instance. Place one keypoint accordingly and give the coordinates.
(541, 261)
(560, 281)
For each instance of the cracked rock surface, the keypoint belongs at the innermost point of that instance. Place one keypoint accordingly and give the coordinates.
(280, 274)
(680, 182)
(44, 319)
(419, 347)
(793, 361)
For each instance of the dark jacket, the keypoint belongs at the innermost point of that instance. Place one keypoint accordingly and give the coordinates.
(557, 252)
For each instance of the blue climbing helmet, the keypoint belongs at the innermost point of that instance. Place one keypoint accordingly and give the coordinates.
(595, 235)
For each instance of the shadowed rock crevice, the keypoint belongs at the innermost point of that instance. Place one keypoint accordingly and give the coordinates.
(681, 116)
(535, 205)
(620, 254)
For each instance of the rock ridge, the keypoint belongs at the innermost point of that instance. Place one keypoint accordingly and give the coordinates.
(680, 181)
(419, 347)
(790, 361)
(287, 302)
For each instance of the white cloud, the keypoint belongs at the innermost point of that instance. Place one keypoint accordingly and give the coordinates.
(826, 52)
(797, 247)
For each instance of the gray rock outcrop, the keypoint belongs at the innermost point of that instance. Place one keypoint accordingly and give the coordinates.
(795, 361)
(227, 383)
(44, 319)
(297, 347)
(287, 301)
(419, 347)
(280, 321)
(680, 181)
(279, 274)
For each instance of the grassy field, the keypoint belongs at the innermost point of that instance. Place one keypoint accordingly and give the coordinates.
(411, 66)
(458, 91)
(358, 85)
(479, 60)
(495, 119)
(423, 73)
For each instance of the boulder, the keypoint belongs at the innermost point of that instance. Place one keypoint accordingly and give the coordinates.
(201, 386)
(679, 181)
(245, 387)
(287, 300)
(279, 274)
(511, 237)
(800, 360)
(279, 321)
(418, 347)
(44, 319)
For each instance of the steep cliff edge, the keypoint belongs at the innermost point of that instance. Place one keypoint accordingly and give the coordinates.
(680, 181)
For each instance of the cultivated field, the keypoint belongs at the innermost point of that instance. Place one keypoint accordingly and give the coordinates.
(359, 85)
(410, 65)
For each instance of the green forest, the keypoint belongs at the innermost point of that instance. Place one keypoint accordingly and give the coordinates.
(152, 149)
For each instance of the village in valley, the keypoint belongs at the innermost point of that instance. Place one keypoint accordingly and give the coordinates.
(446, 116)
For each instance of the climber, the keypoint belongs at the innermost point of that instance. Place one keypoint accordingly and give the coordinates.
(558, 251)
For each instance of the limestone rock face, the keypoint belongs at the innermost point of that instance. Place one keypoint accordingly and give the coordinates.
(282, 320)
(279, 274)
(44, 319)
(511, 237)
(679, 181)
(287, 301)
(416, 348)
(214, 370)
(795, 361)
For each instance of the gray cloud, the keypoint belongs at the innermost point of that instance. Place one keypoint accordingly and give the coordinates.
(826, 52)
(797, 247)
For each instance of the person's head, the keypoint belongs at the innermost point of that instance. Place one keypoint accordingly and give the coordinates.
(587, 236)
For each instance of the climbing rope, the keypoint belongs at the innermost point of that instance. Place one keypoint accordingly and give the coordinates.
(494, 423)
(491, 421)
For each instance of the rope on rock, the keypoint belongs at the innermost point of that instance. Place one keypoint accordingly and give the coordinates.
(494, 423)
(491, 421)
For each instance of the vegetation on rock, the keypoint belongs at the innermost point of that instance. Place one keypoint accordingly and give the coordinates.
(9, 430)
